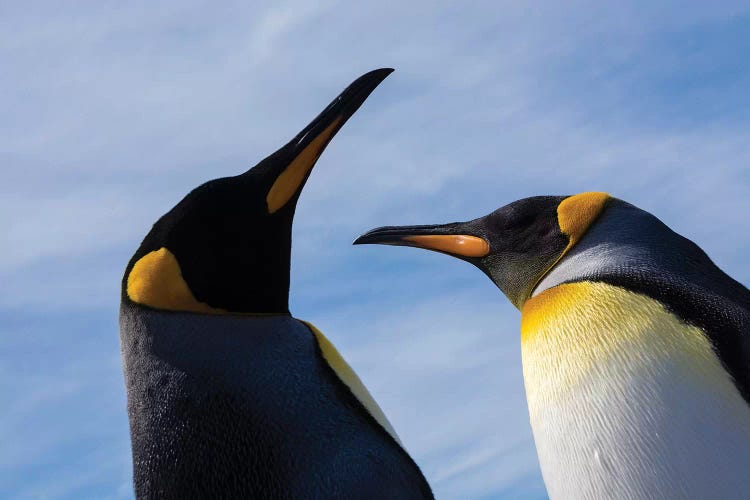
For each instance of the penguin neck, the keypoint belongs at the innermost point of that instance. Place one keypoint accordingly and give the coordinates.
(195, 342)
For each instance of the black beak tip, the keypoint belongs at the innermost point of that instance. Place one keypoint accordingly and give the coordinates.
(388, 235)
(343, 106)
(376, 75)
(361, 240)
(380, 73)
(361, 88)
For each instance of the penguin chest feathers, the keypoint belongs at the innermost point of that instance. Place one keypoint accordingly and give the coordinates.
(627, 401)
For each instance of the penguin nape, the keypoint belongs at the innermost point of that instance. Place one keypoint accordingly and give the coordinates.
(229, 396)
(635, 345)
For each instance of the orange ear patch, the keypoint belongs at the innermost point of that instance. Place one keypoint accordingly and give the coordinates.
(156, 281)
(289, 180)
(576, 213)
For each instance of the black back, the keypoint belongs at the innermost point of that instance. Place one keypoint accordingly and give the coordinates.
(246, 407)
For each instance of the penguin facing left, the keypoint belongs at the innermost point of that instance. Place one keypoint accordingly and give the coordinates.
(635, 346)
(229, 396)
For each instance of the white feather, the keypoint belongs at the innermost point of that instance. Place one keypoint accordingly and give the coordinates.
(626, 401)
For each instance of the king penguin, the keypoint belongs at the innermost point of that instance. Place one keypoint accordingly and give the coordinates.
(635, 345)
(229, 396)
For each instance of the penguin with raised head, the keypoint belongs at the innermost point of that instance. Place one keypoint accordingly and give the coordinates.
(229, 396)
(635, 345)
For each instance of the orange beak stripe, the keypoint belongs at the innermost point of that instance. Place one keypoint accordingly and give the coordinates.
(294, 174)
(455, 244)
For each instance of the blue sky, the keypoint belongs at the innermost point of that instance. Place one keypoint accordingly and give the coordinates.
(110, 113)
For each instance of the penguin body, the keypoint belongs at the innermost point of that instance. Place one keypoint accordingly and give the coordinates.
(635, 346)
(635, 365)
(236, 407)
(628, 401)
(229, 396)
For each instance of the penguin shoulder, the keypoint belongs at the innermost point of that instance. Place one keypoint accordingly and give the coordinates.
(349, 378)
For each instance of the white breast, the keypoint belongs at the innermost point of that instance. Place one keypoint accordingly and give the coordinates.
(626, 401)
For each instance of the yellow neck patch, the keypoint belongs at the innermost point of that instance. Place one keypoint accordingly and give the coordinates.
(578, 330)
(294, 174)
(576, 213)
(156, 281)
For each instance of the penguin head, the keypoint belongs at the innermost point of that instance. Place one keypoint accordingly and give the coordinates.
(515, 245)
(225, 248)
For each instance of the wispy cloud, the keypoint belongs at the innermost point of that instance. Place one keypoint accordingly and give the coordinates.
(112, 113)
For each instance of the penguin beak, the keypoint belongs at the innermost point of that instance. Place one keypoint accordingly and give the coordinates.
(308, 145)
(341, 108)
(450, 239)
